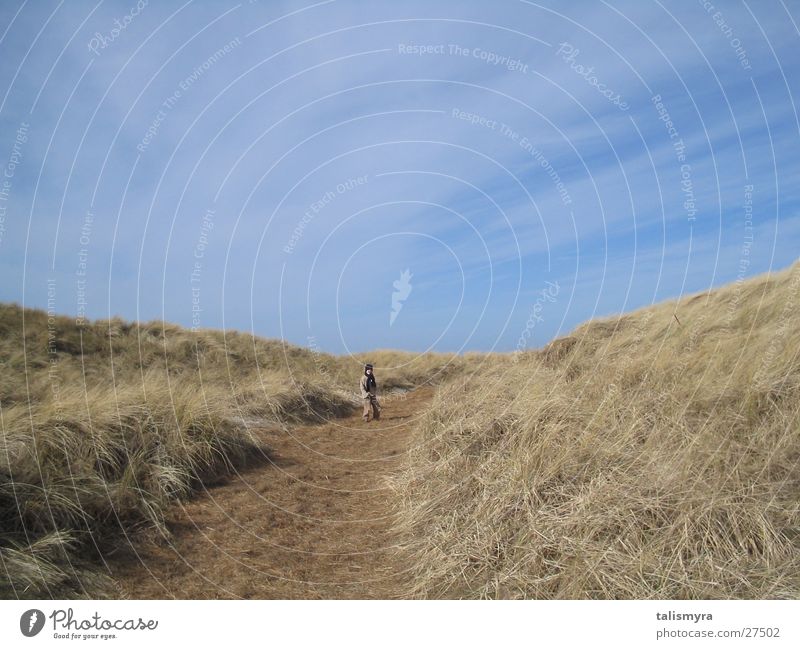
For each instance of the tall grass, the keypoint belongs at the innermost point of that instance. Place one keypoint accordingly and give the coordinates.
(653, 455)
(99, 463)
(104, 425)
(647, 456)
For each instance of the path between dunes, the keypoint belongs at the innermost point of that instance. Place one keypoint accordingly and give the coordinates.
(313, 523)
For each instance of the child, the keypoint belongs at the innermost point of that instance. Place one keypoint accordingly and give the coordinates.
(369, 391)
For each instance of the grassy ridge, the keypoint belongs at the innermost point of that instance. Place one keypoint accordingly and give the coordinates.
(106, 424)
(655, 455)
(649, 456)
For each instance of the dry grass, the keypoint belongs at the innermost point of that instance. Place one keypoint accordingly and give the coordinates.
(637, 458)
(105, 425)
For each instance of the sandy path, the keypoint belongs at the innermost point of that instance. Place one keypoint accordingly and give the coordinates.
(312, 524)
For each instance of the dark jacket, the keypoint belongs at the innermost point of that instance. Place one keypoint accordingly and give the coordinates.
(368, 389)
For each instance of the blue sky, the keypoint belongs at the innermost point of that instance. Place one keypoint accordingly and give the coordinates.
(275, 166)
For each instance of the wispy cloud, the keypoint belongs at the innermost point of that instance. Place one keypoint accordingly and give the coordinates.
(492, 163)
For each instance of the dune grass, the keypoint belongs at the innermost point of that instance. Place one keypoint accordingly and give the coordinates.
(106, 424)
(646, 456)
(654, 455)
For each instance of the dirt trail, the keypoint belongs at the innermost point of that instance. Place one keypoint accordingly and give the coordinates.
(312, 524)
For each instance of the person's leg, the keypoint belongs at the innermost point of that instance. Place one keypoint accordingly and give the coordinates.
(365, 416)
(376, 410)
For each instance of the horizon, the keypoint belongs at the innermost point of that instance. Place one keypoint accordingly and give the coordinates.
(370, 176)
(311, 347)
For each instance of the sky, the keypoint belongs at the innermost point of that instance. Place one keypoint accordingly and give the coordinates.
(351, 175)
